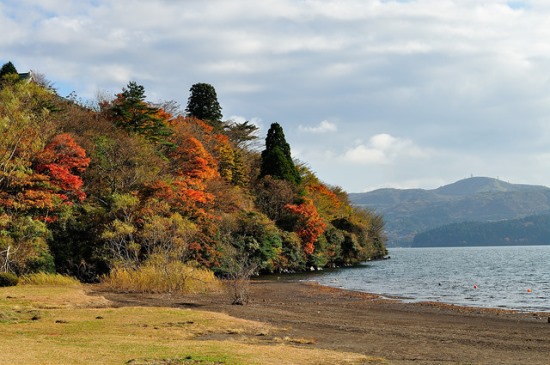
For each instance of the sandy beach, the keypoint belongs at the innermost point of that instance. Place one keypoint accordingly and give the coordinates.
(401, 333)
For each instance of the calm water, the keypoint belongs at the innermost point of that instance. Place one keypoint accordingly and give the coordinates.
(498, 277)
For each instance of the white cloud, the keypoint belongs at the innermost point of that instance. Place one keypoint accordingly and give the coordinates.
(324, 127)
(384, 149)
(463, 76)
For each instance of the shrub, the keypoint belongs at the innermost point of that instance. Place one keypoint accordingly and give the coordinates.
(42, 278)
(157, 277)
(8, 279)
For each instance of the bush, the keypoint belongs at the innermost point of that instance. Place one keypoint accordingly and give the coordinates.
(8, 279)
(42, 278)
(157, 277)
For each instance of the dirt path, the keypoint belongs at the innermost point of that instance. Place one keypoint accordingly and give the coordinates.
(423, 333)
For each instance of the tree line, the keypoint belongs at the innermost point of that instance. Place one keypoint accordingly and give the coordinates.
(122, 182)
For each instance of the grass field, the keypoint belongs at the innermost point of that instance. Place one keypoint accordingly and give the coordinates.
(63, 325)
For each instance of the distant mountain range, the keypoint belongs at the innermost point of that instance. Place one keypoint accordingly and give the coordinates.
(408, 212)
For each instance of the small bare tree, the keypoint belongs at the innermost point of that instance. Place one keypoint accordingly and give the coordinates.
(5, 259)
(240, 268)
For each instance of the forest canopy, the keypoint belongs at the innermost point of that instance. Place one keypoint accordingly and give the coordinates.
(86, 190)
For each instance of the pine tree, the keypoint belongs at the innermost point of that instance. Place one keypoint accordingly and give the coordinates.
(131, 112)
(203, 104)
(276, 159)
(7, 68)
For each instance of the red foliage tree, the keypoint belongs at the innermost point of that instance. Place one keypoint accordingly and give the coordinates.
(309, 225)
(63, 160)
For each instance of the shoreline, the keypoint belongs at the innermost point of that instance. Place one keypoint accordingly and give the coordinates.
(351, 321)
(409, 300)
(302, 278)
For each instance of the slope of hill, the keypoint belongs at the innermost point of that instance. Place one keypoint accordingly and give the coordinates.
(479, 199)
(137, 186)
(533, 230)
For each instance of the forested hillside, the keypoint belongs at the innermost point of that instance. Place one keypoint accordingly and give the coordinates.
(534, 230)
(124, 182)
(478, 199)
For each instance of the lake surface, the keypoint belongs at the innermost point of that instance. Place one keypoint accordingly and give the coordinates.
(497, 277)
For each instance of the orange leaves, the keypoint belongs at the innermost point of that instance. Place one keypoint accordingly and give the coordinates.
(51, 180)
(327, 202)
(189, 158)
(61, 160)
(197, 162)
(183, 197)
(309, 225)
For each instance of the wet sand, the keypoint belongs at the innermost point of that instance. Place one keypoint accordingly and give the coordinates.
(401, 333)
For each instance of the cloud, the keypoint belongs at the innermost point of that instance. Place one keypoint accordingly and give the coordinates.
(383, 149)
(324, 127)
(464, 77)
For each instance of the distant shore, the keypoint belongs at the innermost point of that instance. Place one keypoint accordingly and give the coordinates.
(401, 333)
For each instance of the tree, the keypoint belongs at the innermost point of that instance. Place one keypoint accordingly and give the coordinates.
(121, 163)
(273, 195)
(63, 160)
(309, 225)
(130, 111)
(7, 68)
(203, 104)
(241, 134)
(276, 159)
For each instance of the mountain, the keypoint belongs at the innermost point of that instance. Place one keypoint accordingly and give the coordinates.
(533, 230)
(408, 212)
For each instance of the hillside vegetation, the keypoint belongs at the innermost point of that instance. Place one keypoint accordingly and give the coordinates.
(126, 184)
(412, 211)
(533, 230)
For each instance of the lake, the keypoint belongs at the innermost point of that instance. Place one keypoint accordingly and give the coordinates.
(497, 277)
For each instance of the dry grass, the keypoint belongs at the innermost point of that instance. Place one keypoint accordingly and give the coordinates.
(49, 297)
(42, 278)
(174, 277)
(51, 332)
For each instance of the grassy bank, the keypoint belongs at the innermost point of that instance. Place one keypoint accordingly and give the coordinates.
(62, 324)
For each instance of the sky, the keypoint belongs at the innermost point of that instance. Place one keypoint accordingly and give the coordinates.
(370, 93)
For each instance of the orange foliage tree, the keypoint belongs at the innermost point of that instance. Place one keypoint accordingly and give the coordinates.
(309, 225)
(191, 167)
(63, 160)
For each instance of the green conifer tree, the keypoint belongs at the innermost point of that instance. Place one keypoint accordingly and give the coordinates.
(276, 159)
(203, 104)
(131, 112)
(7, 68)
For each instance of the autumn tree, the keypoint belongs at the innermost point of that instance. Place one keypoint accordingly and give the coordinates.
(273, 195)
(191, 167)
(63, 161)
(131, 112)
(276, 158)
(121, 163)
(26, 125)
(39, 172)
(308, 224)
(330, 202)
(203, 104)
